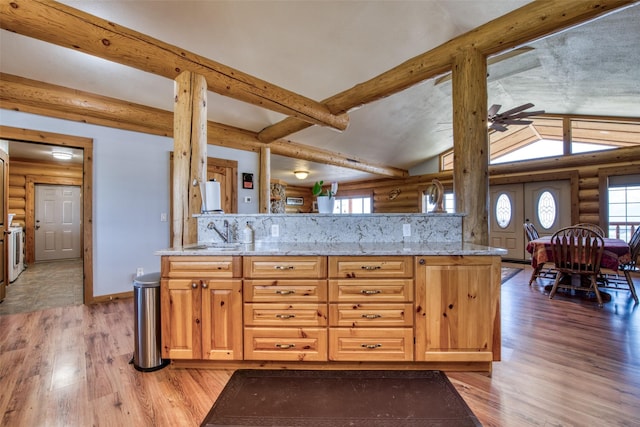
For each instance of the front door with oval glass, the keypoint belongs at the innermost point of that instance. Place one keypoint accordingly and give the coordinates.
(546, 204)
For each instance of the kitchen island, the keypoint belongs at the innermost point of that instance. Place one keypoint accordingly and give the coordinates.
(332, 305)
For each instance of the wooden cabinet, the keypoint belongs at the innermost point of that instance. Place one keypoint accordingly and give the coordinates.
(457, 308)
(285, 308)
(201, 307)
(430, 312)
(371, 308)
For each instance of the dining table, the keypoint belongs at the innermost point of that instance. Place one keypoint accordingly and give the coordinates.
(616, 252)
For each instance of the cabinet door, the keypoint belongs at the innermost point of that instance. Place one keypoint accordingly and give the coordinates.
(222, 319)
(457, 308)
(181, 325)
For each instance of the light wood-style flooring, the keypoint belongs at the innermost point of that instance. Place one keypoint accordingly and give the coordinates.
(565, 363)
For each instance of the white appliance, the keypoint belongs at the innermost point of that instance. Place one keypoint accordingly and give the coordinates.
(16, 252)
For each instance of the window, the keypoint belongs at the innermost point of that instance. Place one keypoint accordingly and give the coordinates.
(352, 205)
(624, 206)
(449, 203)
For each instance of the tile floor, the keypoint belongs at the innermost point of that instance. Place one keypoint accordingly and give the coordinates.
(45, 285)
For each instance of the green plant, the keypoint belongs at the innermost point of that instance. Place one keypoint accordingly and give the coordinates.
(329, 192)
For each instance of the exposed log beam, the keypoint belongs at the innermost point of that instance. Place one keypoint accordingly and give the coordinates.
(299, 151)
(56, 101)
(530, 22)
(68, 27)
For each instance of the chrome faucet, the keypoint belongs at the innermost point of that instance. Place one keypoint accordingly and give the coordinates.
(225, 236)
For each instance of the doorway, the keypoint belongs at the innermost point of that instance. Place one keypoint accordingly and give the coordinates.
(546, 204)
(57, 219)
(85, 181)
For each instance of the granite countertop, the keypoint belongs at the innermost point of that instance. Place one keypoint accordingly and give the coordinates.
(328, 248)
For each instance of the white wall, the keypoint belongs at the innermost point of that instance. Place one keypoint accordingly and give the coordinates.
(130, 192)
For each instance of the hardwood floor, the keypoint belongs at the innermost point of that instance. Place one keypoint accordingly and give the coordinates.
(565, 363)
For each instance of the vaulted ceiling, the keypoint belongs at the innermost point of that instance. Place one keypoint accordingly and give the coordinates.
(320, 48)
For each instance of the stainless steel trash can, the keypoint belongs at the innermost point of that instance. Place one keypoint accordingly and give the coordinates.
(147, 353)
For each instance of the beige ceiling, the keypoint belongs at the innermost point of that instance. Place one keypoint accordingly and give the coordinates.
(320, 48)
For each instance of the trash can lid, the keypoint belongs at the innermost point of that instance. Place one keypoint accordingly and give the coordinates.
(149, 280)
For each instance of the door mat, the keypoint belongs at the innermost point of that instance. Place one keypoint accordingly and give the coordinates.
(507, 273)
(339, 398)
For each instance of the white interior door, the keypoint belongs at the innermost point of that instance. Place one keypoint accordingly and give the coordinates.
(547, 204)
(57, 234)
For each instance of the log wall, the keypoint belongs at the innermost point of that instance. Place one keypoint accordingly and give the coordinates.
(404, 195)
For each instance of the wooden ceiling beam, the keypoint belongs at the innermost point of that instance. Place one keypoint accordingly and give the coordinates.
(21, 94)
(530, 22)
(65, 26)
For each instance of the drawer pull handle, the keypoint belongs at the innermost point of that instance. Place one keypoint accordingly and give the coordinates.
(370, 291)
(372, 316)
(285, 346)
(283, 267)
(285, 291)
(285, 316)
(371, 346)
(371, 267)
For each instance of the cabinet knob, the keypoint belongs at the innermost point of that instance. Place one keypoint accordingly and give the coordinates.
(204, 285)
(194, 285)
(422, 261)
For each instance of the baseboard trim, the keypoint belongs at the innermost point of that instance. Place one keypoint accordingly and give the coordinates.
(111, 297)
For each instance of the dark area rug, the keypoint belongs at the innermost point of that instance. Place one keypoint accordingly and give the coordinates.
(508, 272)
(339, 398)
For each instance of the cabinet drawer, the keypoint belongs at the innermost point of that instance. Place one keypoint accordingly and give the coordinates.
(282, 314)
(370, 266)
(391, 290)
(379, 344)
(188, 267)
(371, 315)
(291, 344)
(310, 267)
(285, 290)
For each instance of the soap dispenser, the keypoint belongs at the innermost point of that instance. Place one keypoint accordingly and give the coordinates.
(247, 234)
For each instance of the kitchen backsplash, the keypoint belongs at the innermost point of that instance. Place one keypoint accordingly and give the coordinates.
(336, 228)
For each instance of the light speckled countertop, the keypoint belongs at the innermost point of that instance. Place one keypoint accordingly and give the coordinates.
(355, 249)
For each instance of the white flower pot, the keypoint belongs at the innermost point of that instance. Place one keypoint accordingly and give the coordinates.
(325, 204)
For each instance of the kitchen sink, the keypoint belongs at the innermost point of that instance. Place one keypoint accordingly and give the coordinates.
(215, 247)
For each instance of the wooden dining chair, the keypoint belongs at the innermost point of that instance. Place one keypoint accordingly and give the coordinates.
(541, 271)
(593, 227)
(612, 279)
(577, 251)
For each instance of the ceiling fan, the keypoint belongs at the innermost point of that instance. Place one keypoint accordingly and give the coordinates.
(515, 116)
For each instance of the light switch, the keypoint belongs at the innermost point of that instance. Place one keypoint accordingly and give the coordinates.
(275, 230)
(406, 230)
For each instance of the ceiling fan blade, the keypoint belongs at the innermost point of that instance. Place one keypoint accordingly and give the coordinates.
(493, 110)
(516, 122)
(516, 110)
(498, 127)
(525, 114)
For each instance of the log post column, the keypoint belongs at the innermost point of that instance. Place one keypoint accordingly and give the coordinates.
(265, 180)
(190, 155)
(471, 144)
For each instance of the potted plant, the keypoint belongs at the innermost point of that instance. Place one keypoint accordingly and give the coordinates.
(325, 198)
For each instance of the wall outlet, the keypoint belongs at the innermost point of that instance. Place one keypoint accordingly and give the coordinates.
(275, 230)
(163, 217)
(139, 271)
(406, 230)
